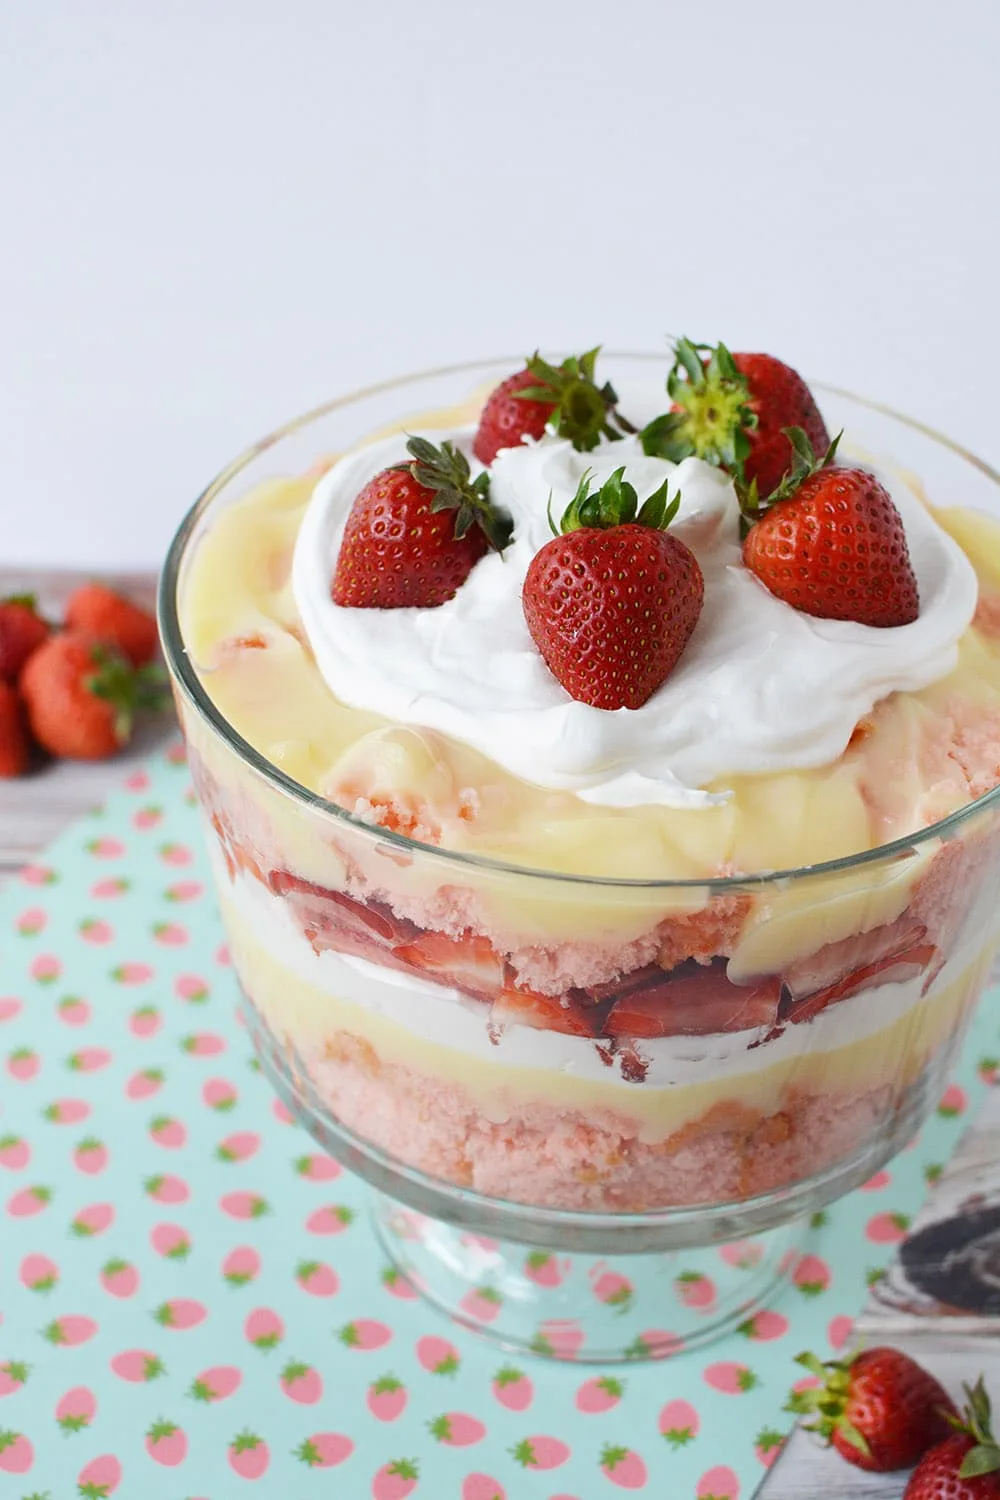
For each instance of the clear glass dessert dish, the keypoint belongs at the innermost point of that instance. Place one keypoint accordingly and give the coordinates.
(598, 1110)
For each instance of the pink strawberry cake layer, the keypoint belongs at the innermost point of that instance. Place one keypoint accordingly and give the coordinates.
(540, 1032)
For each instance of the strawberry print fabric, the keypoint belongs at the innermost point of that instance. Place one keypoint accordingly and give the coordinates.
(192, 1301)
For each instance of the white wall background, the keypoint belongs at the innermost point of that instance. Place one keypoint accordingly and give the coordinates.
(216, 214)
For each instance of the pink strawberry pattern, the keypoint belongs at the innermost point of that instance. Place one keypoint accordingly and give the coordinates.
(166, 1444)
(317, 1278)
(16, 1452)
(324, 1450)
(216, 1383)
(75, 1409)
(513, 1388)
(623, 1467)
(540, 1452)
(173, 1237)
(386, 1398)
(599, 1394)
(679, 1423)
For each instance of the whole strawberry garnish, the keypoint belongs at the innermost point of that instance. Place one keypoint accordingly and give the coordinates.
(966, 1466)
(99, 611)
(879, 1409)
(566, 396)
(416, 531)
(779, 399)
(612, 600)
(82, 695)
(15, 750)
(830, 542)
(733, 410)
(22, 631)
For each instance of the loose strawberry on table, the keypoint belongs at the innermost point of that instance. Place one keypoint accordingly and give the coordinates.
(830, 542)
(612, 600)
(22, 631)
(733, 410)
(879, 1409)
(82, 695)
(416, 531)
(15, 748)
(966, 1466)
(101, 612)
(565, 397)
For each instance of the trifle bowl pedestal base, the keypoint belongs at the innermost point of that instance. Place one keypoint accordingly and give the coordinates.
(587, 1308)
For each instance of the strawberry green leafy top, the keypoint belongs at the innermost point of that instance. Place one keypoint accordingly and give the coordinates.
(584, 412)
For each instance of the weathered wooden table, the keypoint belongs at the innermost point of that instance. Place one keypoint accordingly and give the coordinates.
(955, 1344)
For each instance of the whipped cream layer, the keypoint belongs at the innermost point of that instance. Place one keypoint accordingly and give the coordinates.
(760, 688)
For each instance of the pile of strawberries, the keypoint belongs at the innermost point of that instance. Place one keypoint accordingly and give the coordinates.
(882, 1411)
(611, 601)
(74, 690)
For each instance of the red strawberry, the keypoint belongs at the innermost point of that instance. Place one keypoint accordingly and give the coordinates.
(566, 395)
(15, 747)
(831, 543)
(966, 1466)
(100, 612)
(612, 601)
(779, 398)
(732, 410)
(415, 532)
(82, 694)
(879, 1409)
(22, 631)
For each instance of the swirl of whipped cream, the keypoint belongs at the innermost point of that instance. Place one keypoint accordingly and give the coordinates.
(760, 687)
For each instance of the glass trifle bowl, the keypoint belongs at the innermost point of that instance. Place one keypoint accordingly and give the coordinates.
(601, 1064)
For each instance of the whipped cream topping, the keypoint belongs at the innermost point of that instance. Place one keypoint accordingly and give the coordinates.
(760, 688)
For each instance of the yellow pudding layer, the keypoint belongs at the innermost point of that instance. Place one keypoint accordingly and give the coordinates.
(918, 757)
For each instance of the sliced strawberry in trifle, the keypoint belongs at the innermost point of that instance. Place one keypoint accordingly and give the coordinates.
(565, 886)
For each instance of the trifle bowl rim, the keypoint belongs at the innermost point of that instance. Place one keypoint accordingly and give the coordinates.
(187, 679)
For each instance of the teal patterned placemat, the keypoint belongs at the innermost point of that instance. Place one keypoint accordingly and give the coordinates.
(191, 1298)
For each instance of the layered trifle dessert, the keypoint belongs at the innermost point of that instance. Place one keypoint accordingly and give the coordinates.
(585, 765)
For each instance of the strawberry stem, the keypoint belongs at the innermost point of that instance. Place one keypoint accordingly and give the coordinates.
(446, 471)
(711, 413)
(583, 412)
(984, 1457)
(615, 503)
